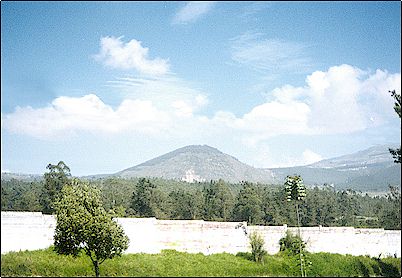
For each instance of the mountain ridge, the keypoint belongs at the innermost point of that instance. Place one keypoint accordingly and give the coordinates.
(197, 163)
(371, 169)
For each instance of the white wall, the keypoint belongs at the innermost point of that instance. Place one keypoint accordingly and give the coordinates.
(32, 230)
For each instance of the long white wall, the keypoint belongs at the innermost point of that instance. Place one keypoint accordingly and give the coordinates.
(32, 230)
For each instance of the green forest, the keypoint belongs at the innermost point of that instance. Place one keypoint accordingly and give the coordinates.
(258, 204)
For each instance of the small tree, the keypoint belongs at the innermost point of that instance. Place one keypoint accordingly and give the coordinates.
(83, 224)
(291, 243)
(296, 191)
(257, 247)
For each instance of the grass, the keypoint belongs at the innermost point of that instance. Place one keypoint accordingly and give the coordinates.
(173, 263)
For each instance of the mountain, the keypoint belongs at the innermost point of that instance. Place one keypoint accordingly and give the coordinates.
(198, 163)
(370, 169)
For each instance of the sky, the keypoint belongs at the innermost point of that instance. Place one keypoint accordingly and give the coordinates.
(104, 86)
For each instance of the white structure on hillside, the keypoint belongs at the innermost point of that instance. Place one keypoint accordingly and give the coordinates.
(192, 177)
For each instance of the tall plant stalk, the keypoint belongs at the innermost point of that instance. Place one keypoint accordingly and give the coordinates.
(300, 244)
(295, 190)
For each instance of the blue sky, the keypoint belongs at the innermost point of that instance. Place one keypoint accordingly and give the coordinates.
(106, 85)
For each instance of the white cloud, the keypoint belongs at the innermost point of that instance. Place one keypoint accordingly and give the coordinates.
(266, 157)
(309, 157)
(131, 55)
(344, 98)
(192, 11)
(341, 100)
(68, 115)
(164, 92)
(270, 56)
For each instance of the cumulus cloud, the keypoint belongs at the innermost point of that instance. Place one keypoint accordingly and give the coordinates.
(131, 55)
(192, 11)
(341, 100)
(68, 115)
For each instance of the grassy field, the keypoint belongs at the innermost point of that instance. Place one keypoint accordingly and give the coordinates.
(172, 263)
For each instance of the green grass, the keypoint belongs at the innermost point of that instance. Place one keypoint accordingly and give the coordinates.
(172, 263)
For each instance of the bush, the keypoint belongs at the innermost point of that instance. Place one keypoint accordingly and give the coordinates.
(257, 247)
(291, 243)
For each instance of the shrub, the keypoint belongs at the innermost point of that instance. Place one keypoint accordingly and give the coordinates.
(291, 243)
(257, 246)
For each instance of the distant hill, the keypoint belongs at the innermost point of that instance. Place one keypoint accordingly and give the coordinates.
(198, 163)
(20, 176)
(370, 169)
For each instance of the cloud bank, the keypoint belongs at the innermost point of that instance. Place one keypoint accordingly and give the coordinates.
(343, 99)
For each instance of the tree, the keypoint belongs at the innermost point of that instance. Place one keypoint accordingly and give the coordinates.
(185, 205)
(257, 247)
(396, 154)
(218, 202)
(249, 204)
(55, 179)
(83, 225)
(391, 217)
(296, 191)
(349, 207)
(141, 201)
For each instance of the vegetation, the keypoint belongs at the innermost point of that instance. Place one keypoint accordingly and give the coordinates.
(291, 243)
(216, 201)
(296, 191)
(257, 247)
(55, 179)
(83, 225)
(173, 263)
(396, 153)
(295, 248)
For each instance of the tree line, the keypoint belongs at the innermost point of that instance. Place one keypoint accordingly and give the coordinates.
(258, 204)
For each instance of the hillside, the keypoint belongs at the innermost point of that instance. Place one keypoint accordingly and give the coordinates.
(370, 169)
(198, 163)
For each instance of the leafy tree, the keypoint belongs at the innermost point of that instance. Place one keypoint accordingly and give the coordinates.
(218, 202)
(296, 191)
(249, 204)
(276, 211)
(83, 225)
(58, 176)
(185, 205)
(141, 201)
(396, 154)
